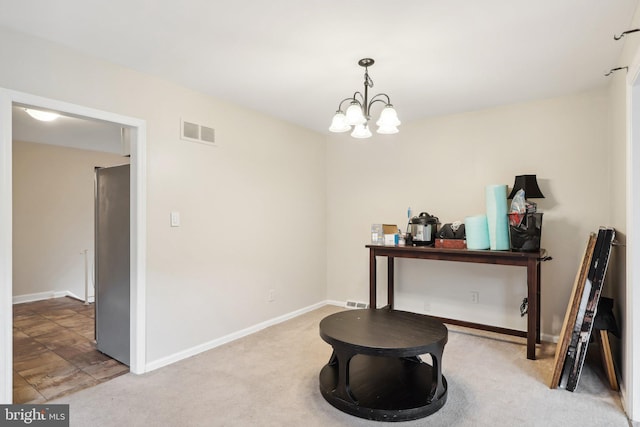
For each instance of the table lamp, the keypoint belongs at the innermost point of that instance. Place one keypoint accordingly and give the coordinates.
(525, 228)
(529, 184)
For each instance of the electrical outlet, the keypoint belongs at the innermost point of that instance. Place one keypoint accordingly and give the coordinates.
(475, 297)
(272, 295)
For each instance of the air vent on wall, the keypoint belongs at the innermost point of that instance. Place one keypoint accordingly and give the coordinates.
(190, 131)
(357, 304)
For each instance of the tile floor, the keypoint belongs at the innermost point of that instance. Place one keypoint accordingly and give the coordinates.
(54, 350)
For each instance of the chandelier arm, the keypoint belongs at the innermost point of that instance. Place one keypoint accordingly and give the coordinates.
(378, 96)
(362, 99)
(342, 102)
(377, 99)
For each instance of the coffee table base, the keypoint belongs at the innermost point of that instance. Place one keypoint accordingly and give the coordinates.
(384, 388)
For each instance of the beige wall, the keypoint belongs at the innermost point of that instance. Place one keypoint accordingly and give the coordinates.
(442, 165)
(53, 217)
(248, 205)
(252, 208)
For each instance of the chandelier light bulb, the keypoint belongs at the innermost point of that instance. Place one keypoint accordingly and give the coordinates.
(388, 117)
(354, 114)
(387, 130)
(361, 132)
(339, 123)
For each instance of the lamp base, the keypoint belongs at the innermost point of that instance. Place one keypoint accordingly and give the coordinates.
(525, 235)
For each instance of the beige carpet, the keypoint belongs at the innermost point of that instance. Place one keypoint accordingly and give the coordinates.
(271, 379)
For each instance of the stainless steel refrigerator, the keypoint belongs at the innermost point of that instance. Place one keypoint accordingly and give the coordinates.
(112, 261)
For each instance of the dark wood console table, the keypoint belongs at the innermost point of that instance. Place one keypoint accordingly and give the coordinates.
(530, 260)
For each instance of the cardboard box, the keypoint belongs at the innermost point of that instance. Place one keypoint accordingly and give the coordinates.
(451, 243)
(391, 236)
(389, 229)
(391, 239)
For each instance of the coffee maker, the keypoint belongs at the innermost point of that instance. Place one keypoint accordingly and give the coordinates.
(423, 229)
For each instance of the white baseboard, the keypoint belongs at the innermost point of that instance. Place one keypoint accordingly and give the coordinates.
(40, 296)
(549, 338)
(336, 303)
(165, 361)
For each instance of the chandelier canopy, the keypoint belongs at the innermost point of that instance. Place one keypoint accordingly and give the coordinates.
(357, 115)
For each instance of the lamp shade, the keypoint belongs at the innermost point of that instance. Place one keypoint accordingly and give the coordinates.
(339, 123)
(354, 114)
(529, 184)
(361, 132)
(387, 130)
(388, 117)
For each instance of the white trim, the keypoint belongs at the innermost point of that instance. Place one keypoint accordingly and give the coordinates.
(138, 227)
(176, 357)
(41, 296)
(633, 73)
(549, 338)
(630, 386)
(6, 320)
(138, 218)
(336, 303)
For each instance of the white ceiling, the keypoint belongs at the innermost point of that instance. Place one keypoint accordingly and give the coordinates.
(297, 59)
(66, 131)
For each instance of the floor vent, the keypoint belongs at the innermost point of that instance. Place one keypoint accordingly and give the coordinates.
(356, 304)
(190, 131)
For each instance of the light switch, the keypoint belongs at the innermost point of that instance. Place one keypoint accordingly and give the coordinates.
(175, 219)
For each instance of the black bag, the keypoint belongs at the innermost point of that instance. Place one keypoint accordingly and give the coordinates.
(446, 232)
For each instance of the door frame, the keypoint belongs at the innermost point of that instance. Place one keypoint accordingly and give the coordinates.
(137, 216)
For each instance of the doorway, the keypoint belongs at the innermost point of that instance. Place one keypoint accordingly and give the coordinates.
(137, 130)
(54, 185)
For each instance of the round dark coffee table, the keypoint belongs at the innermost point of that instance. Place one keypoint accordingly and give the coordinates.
(375, 371)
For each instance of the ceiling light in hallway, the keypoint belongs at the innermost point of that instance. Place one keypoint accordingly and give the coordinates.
(44, 116)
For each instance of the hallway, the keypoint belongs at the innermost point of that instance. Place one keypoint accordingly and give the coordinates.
(54, 351)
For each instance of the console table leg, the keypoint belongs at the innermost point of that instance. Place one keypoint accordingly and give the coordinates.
(538, 290)
(372, 279)
(390, 281)
(533, 295)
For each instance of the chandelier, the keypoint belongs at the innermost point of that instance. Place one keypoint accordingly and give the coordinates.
(357, 115)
